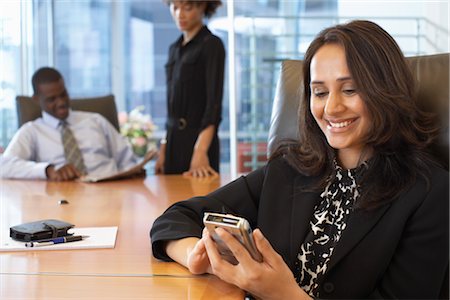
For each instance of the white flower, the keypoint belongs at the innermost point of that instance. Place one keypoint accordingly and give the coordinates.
(137, 127)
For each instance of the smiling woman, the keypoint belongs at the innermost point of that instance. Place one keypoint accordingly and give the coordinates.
(337, 106)
(354, 209)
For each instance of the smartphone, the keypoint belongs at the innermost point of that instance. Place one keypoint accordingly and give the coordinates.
(238, 227)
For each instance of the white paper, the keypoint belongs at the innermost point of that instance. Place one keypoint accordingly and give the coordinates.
(99, 237)
(133, 171)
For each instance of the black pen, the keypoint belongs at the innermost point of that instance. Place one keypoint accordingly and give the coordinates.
(60, 240)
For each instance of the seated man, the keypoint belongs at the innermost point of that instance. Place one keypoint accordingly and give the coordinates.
(63, 144)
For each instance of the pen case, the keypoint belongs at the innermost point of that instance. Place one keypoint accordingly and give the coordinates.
(39, 230)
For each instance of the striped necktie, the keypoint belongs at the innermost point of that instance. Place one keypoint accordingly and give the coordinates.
(71, 150)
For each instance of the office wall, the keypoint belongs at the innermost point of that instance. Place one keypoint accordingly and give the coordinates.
(404, 18)
(439, 13)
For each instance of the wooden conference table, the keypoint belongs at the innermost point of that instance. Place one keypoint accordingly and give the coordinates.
(128, 271)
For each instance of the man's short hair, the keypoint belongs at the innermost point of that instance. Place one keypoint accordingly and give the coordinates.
(44, 75)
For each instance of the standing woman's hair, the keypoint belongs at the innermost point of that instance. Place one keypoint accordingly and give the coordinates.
(210, 9)
(400, 131)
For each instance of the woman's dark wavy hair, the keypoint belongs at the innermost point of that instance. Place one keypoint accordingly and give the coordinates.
(210, 9)
(400, 131)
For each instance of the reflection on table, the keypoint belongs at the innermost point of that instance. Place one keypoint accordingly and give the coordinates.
(132, 205)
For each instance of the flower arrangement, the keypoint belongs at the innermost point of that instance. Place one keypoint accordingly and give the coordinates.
(138, 128)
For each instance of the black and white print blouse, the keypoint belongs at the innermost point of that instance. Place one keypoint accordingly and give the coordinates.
(328, 222)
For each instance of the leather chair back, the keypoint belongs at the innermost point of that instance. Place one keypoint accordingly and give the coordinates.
(29, 110)
(431, 71)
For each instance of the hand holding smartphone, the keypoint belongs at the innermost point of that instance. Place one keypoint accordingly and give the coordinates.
(238, 227)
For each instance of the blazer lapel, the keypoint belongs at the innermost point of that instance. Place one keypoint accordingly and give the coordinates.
(359, 223)
(302, 210)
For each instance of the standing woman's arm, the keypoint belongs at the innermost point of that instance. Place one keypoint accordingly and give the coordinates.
(200, 166)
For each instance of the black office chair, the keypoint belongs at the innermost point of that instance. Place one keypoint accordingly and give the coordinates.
(29, 110)
(432, 73)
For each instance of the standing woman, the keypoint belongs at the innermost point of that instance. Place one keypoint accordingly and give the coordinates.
(194, 73)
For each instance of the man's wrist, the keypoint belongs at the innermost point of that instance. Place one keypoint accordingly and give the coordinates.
(49, 169)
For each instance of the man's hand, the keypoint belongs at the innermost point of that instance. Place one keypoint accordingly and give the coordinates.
(66, 172)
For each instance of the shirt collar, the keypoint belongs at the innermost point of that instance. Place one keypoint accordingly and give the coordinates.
(198, 37)
(356, 172)
(54, 122)
(201, 34)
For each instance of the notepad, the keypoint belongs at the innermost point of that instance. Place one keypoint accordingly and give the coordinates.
(131, 172)
(99, 237)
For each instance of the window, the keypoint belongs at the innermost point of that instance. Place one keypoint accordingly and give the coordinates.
(11, 59)
(82, 46)
(120, 47)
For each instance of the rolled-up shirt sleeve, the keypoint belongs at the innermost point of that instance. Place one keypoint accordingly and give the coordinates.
(18, 161)
(16, 168)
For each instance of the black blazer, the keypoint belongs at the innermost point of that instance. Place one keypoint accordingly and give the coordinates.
(399, 250)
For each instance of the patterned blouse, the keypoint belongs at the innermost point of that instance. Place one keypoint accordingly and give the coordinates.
(328, 222)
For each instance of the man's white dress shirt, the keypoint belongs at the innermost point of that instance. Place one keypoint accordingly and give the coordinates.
(38, 144)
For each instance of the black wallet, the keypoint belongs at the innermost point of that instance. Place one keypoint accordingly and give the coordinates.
(40, 230)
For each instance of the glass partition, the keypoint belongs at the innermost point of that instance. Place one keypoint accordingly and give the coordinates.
(120, 48)
(11, 62)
